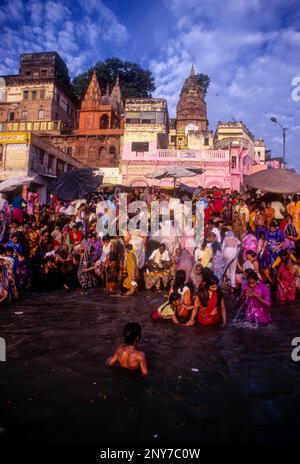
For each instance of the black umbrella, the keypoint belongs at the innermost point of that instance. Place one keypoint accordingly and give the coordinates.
(75, 184)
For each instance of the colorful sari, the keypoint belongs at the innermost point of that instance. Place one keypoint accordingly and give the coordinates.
(209, 315)
(86, 279)
(249, 242)
(131, 270)
(286, 285)
(271, 252)
(254, 310)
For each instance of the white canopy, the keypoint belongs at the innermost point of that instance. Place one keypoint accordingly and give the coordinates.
(10, 184)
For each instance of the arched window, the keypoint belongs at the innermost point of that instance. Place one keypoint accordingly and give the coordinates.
(112, 150)
(104, 122)
(92, 152)
(81, 152)
(102, 152)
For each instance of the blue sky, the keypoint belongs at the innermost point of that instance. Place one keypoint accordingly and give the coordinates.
(249, 48)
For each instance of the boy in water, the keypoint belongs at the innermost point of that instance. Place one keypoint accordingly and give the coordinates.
(126, 354)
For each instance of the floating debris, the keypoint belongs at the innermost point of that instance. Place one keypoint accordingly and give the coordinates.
(194, 369)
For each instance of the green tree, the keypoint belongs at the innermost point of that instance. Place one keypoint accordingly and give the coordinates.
(134, 80)
(204, 81)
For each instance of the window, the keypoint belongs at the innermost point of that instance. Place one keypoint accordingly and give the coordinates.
(42, 94)
(41, 157)
(33, 94)
(41, 114)
(206, 141)
(28, 73)
(60, 167)
(44, 72)
(51, 162)
(25, 115)
(81, 152)
(104, 122)
(25, 94)
(69, 151)
(92, 152)
(173, 138)
(233, 162)
(140, 146)
(36, 74)
(102, 152)
(112, 150)
(11, 116)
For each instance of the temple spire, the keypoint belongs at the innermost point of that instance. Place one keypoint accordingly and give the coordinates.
(192, 71)
(92, 98)
(116, 91)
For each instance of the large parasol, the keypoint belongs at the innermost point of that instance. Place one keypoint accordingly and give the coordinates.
(75, 184)
(275, 180)
(174, 172)
(14, 182)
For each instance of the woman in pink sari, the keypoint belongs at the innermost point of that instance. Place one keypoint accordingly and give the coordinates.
(257, 300)
(186, 263)
(249, 242)
(286, 281)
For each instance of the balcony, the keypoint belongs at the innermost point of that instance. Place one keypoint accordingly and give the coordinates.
(36, 126)
(179, 155)
(229, 142)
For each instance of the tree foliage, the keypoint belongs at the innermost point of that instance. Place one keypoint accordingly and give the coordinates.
(134, 80)
(204, 81)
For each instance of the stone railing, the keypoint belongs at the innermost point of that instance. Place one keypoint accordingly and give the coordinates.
(38, 126)
(176, 155)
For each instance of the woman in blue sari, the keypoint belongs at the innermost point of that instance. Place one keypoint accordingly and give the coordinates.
(276, 241)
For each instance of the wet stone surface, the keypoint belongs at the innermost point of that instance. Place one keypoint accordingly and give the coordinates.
(56, 388)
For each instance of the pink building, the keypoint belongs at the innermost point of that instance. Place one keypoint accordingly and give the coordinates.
(151, 143)
(222, 168)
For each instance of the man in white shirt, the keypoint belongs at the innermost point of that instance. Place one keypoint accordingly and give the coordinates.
(279, 209)
(160, 257)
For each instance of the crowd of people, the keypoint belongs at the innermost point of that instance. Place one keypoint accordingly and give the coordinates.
(249, 248)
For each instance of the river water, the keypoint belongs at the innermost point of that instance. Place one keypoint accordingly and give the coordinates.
(206, 385)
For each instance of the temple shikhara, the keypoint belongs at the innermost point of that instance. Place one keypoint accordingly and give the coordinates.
(44, 131)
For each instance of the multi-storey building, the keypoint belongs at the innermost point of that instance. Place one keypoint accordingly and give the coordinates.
(39, 98)
(28, 154)
(96, 132)
(97, 140)
(225, 157)
(146, 131)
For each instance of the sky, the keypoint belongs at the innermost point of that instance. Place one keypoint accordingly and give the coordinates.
(249, 48)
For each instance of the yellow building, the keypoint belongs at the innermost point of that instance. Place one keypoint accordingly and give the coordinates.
(27, 154)
(236, 134)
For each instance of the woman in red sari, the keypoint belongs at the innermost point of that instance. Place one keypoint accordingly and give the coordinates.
(208, 305)
(286, 281)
